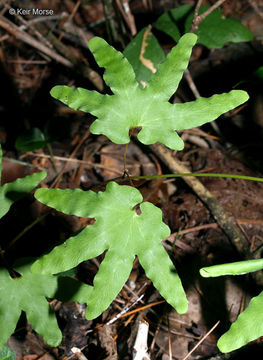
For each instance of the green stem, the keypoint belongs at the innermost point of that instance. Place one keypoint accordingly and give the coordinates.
(230, 176)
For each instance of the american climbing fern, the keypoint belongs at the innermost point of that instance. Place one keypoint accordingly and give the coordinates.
(118, 228)
(121, 231)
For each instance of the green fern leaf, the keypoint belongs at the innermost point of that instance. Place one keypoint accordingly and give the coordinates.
(247, 327)
(28, 293)
(121, 231)
(130, 106)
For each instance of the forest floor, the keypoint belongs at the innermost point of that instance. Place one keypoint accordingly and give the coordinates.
(82, 160)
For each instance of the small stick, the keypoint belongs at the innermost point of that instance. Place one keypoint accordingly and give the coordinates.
(211, 9)
(56, 182)
(75, 9)
(214, 226)
(140, 346)
(191, 84)
(124, 311)
(78, 353)
(196, 20)
(200, 342)
(28, 24)
(256, 8)
(143, 308)
(127, 15)
(28, 39)
(169, 340)
(23, 163)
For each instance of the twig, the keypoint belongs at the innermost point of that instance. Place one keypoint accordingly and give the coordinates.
(213, 226)
(140, 346)
(109, 22)
(75, 33)
(256, 8)
(197, 95)
(196, 20)
(211, 9)
(85, 69)
(75, 9)
(28, 24)
(59, 176)
(23, 163)
(125, 10)
(68, 59)
(169, 339)
(84, 162)
(124, 311)
(78, 353)
(202, 340)
(191, 84)
(28, 39)
(143, 308)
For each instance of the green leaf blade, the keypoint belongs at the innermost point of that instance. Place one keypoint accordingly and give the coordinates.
(167, 21)
(67, 255)
(43, 320)
(119, 74)
(115, 277)
(155, 260)
(28, 293)
(203, 110)
(69, 201)
(216, 30)
(77, 98)
(6, 353)
(31, 140)
(235, 268)
(247, 327)
(169, 74)
(123, 233)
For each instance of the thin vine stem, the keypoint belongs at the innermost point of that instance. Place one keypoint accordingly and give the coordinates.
(230, 176)
(164, 176)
